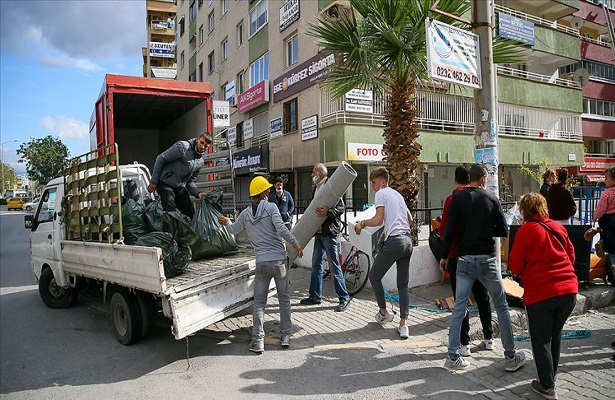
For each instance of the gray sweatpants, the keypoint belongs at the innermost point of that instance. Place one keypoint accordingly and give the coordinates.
(264, 272)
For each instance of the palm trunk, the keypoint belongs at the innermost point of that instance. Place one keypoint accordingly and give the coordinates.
(401, 146)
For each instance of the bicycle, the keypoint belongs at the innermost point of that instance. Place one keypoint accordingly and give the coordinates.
(355, 268)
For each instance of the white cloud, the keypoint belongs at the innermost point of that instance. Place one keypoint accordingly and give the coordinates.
(65, 128)
(65, 61)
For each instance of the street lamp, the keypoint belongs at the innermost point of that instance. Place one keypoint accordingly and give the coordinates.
(2, 159)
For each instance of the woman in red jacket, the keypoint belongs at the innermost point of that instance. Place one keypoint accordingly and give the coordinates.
(543, 256)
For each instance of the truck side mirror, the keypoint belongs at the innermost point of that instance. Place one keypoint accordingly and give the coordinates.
(28, 221)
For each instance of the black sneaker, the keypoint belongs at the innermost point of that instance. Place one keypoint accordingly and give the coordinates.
(341, 307)
(550, 393)
(309, 301)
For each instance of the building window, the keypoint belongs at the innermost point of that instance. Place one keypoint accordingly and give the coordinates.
(201, 35)
(258, 17)
(200, 3)
(182, 26)
(239, 135)
(599, 107)
(291, 116)
(259, 70)
(240, 34)
(241, 82)
(182, 59)
(223, 91)
(224, 48)
(211, 61)
(292, 50)
(224, 6)
(192, 77)
(201, 72)
(211, 21)
(192, 13)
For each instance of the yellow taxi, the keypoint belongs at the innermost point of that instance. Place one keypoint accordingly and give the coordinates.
(16, 203)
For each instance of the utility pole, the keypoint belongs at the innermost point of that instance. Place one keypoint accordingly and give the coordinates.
(485, 101)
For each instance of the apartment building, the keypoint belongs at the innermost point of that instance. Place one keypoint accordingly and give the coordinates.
(159, 56)
(256, 55)
(596, 70)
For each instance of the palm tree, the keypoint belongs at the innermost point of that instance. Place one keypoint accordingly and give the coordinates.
(382, 47)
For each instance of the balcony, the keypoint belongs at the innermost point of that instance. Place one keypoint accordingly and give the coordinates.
(537, 20)
(537, 77)
(594, 50)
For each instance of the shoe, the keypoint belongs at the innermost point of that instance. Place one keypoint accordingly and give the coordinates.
(488, 344)
(599, 247)
(381, 319)
(464, 350)
(459, 363)
(546, 393)
(341, 307)
(285, 340)
(309, 301)
(403, 332)
(515, 362)
(257, 346)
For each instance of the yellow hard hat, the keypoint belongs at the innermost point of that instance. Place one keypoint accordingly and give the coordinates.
(258, 185)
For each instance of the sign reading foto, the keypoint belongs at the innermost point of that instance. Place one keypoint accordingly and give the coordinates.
(221, 114)
(309, 128)
(452, 55)
(365, 152)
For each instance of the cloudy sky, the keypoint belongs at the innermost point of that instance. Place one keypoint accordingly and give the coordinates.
(53, 57)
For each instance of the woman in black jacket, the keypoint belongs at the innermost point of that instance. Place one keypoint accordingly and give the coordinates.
(560, 201)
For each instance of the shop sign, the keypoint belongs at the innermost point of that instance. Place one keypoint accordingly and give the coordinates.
(231, 135)
(358, 100)
(221, 114)
(162, 49)
(253, 97)
(254, 159)
(248, 129)
(164, 73)
(365, 152)
(514, 28)
(309, 128)
(597, 164)
(275, 126)
(303, 76)
(289, 13)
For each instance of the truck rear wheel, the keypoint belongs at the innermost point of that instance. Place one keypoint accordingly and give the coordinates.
(54, 296)
(147, 313)
(125, 318)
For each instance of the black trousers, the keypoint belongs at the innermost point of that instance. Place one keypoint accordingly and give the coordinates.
(546, 320)
(173, 200)
(481, 295)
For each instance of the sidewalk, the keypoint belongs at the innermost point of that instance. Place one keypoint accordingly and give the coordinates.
(586, 371)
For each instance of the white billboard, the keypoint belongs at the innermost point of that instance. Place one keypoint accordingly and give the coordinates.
(452, 55)
(221, 114)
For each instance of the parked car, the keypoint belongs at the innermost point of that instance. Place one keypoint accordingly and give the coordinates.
(16, 203)
(31, 205)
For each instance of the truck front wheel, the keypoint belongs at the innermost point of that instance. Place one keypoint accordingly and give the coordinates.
(54, 296)
(125, 317)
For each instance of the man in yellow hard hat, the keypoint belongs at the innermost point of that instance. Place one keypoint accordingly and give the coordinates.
(265, 228)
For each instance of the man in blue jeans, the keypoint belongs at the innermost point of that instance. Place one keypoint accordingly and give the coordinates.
(327, 240)
(476, 217)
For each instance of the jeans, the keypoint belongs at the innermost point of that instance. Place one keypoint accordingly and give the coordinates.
(546, 320)
(484, 269)
(173, 200)
(330, 245)
(396, 249)
(482, 302)
(264, 272)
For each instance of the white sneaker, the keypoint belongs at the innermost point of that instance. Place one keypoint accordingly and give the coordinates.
(488, 344)
(381, 319)
(459, 363)
(403, 332)
(465, 350)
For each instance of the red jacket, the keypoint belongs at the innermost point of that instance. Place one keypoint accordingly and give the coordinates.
(543, 263)
(447, 205)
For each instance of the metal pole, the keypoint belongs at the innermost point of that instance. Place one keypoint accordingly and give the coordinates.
(149, 39)
(485, 101)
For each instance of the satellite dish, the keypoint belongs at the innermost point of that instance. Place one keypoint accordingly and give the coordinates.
(581, 75)
(576, 22)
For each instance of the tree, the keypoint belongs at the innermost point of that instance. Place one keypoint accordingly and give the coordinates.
(382, 47)
(9, 175)
(44, 158)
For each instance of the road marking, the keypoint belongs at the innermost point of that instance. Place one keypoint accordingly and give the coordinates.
(18, 289)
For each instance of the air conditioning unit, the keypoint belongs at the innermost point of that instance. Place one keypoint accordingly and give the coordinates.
(336, 11)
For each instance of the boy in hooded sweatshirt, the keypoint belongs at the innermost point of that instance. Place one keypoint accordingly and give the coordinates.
(265, 228)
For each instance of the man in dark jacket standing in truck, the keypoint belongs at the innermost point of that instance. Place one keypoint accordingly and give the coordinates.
(327, 240)
(175, 172)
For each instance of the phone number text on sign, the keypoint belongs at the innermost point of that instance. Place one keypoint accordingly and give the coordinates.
(456, 76)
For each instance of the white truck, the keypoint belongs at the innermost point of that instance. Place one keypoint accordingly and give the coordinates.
(76, 229)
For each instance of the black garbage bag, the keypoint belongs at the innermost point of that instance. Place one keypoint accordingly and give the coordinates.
(213, 238)
(133, 221)
(181, 228)
(175, 259)
(153, 215)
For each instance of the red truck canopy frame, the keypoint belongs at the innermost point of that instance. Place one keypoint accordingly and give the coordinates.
(143, 102)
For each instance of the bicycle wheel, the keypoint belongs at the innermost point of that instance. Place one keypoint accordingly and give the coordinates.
(356, 272)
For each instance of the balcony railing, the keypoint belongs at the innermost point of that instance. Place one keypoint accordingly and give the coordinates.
(596, 41)
(537, 20)
(448, 113)
(537, 77)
